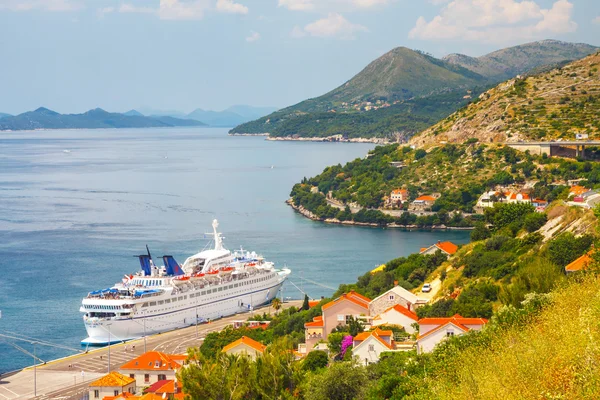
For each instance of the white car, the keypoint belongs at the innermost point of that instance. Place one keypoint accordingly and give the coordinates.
(426, 288)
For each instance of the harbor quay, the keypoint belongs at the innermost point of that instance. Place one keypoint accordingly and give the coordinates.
(69, 377)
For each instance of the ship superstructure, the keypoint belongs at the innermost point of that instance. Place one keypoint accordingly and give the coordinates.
(211, 284)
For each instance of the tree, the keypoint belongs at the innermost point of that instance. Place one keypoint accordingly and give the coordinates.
(566, 248)
(341, 381)
(305, 304)
(276, 303)
(315, 360)
(480, 232)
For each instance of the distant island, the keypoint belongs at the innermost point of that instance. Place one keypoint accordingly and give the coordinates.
(43, 118)
(406, 91)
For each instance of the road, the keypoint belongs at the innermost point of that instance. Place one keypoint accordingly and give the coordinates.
(68, 378)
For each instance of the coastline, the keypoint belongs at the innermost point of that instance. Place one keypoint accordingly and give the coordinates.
(308, 214)
(331, 139)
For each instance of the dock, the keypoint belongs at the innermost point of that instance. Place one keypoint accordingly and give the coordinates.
(68, 378)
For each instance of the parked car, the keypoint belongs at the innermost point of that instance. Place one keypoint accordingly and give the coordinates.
(426, 288)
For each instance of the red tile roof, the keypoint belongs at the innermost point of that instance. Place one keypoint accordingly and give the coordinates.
(377, 334)
(248, 342)
(447, 247)
(114, 379)
(156, 361)
(457, 320)
(157, 385)
(316, 322)
(425, 198)
(312, 303)
(403, 310)
(577, 190)
(458, 325)
(581, 263)
(351, 296)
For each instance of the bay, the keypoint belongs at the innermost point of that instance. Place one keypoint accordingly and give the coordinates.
(75, 206)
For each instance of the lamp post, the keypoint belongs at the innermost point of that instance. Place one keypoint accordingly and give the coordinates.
(34, 372)
(144, 335)
(196, 322)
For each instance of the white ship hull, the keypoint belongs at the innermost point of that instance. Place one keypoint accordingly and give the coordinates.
(162, 319)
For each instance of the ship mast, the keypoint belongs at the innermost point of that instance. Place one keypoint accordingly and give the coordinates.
(218, 238)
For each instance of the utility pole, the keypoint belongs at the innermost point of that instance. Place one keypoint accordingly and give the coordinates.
(34, 372)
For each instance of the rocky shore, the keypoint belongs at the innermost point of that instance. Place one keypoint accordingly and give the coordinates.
(334, 139)
(308, 214)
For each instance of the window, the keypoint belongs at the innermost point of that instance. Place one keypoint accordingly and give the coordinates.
(371, 347)
(162, 377)
(116, 393)
(449, 333)
(132, 376)
(391, 297)
(96, 394)
(349, 319)
(146, 378)
(341, 317)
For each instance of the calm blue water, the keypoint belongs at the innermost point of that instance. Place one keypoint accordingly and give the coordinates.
(71, 221)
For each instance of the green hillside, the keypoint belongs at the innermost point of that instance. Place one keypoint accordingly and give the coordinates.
(557, 104)
(404, 91)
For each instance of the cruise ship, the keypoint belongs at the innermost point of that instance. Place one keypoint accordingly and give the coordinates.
(211, 284)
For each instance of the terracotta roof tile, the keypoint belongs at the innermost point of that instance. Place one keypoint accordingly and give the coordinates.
(456, 318)
(577, 190)
(448, 247)
(248, 342)
(403, 310)
(113, 379)
(351, 296)
(425, 198)
(458, 325)
(581, 263)
(316, 322)
(156, 361)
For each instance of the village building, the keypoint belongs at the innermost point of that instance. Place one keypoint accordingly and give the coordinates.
(395, 296)
(577, 190)
(335, 313)
(422, 203)
(397, 316)
(170, 389)
(245, 345)
(434, 330)
(368, 346)
(112, 384)
(580, 264)
(518, 198)
(447, 248)
(152, 367)
(398, 196)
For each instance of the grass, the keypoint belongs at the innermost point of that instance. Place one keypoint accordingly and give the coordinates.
(555, 357)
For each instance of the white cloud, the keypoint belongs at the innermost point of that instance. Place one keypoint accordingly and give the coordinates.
(334, 25)
(253, 37)
(310, 5)
(183, 9)
(496, 21)
(45, 5)
(596, 20)
(128, 8)
(229, 6)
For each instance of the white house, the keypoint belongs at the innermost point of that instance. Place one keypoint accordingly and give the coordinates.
(434, 330)
(368, 346)
(112, 384)
(399, 316)
(396, 295)
(152, 367)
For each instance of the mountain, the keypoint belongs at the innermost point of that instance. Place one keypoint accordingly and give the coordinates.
(2, 115)
(216, 118)
(43, 118)
(510, 62)
(560, 103)
(402, 81)
(172, 121)
(250, 112)
(133, 113)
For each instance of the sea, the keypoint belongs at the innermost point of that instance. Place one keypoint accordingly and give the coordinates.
(77, 205)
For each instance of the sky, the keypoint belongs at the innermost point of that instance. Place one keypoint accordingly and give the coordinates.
(74, 55)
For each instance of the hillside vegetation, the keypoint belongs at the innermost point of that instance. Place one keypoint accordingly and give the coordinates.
(557, 104)
(414, 90)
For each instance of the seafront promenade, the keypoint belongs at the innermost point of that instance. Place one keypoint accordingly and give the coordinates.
(68, 378)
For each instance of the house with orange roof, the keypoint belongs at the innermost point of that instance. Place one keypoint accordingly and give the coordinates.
(447, 248)
(576, 191)
(580, 264)
(434, 330)
(519, 197)
(152, 367)
(368, 346)
(245, 345)
(336, 312)
(398, 196)
(171, 389)
(395, 296)
(422, 203)
(398, 316)
(122, 396)
(112, 384)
